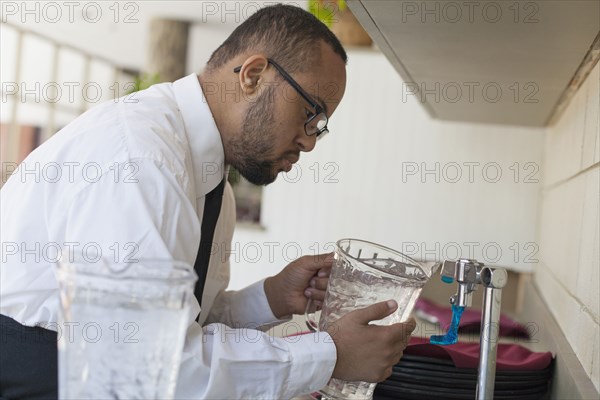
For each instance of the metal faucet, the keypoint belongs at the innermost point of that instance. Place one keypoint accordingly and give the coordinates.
(469, 274)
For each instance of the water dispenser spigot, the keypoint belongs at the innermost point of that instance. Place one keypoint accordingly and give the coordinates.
(469, 274)
(465, 273)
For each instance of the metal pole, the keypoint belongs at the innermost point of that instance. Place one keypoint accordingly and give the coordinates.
(490, 317)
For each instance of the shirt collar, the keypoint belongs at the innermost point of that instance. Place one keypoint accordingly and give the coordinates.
(208, 157)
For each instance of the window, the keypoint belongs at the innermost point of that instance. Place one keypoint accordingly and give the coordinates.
(248, 198)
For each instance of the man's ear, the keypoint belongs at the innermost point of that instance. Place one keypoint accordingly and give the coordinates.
(251, 74)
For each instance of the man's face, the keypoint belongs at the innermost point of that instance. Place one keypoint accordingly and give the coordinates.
(273, 132)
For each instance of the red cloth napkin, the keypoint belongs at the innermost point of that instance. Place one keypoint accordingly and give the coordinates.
(509, 357)
(466, 355)
(470, 321)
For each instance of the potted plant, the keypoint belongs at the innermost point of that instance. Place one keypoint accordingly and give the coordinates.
(338, 17)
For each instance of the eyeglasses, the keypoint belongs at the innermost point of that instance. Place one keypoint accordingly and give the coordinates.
(316, 124)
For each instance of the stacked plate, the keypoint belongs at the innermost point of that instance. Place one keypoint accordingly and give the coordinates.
(417, 377)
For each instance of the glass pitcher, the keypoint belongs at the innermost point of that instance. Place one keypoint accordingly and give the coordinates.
(363, 274)
(122, 327)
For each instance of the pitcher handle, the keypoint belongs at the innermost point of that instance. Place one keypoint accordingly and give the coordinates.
(309, 317)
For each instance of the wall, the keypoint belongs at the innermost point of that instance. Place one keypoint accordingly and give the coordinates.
(568, 272)
(371, 185)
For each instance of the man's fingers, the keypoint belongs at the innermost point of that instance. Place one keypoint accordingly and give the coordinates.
(319, 283)
(314, 263)
(323, 260)
(324, 272)
(374, 312)
(404, 329)
(410, 325)
(315, 294)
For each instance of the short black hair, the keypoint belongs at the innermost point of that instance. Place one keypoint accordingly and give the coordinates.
(288, 34)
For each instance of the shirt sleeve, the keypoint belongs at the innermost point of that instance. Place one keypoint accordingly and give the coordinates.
(245, 308)
(155, 216)
(247, 363)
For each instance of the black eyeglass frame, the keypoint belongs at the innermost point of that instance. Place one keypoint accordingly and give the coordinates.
(316, 106)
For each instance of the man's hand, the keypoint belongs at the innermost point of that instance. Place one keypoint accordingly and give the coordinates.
(368, 352)
(306, 277)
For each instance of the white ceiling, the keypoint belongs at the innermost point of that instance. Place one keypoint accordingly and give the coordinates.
(504, 62)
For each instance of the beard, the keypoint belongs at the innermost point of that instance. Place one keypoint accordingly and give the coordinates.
(250, 151)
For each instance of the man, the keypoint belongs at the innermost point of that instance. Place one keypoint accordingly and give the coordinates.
(259, 103)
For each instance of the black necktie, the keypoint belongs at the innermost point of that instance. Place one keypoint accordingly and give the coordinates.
(212, 208)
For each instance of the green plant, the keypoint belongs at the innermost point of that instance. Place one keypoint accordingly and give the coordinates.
(143, 81)
(325, 10)
(234, 176)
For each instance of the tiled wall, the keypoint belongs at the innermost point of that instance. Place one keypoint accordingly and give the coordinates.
(568, 272)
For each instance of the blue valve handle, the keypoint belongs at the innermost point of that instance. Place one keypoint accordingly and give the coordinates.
(451, 336)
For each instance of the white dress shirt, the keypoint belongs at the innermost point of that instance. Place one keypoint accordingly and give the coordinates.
(129, 177)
